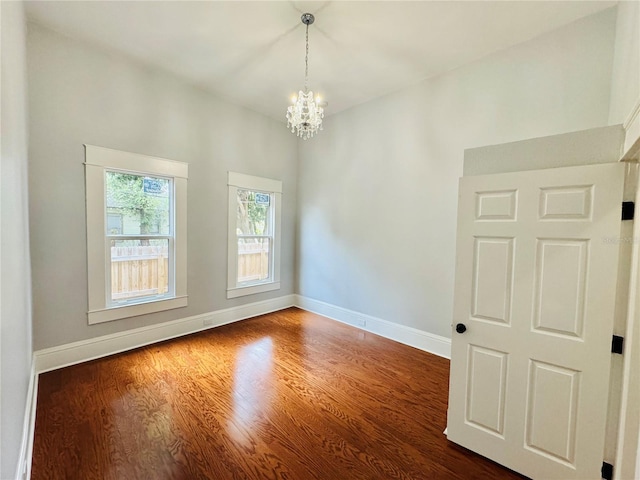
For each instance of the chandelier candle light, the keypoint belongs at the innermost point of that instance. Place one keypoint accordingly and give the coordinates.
(304, 117)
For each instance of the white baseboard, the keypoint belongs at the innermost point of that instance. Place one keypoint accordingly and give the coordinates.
(26, 447)
(85, 350)
(413, 337)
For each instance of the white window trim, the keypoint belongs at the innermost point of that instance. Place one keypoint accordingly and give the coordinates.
(97, 160)
(249, 182)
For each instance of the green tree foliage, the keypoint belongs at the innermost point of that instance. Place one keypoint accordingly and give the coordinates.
(125, 193)
(252, 218)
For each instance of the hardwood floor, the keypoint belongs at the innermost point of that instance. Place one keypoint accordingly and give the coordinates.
(289, 395)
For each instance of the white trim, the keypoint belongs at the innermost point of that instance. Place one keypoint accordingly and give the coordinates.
(632, 133)
(103, 157)
(82, 351)
(180, 216)
(413, 337)
(85, 350)
(627, 462)
(254, 183)
(28, 429)
(232, 239)
(126, 311)
(633, 114)
(251, 289)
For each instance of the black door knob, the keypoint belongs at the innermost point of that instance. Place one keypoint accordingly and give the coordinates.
(461, 328)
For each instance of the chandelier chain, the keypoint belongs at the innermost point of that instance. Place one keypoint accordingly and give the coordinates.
(306, 62)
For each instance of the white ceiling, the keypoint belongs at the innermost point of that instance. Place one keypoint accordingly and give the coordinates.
(253, 52)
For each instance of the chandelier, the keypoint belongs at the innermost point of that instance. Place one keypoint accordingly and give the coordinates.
(304, 117)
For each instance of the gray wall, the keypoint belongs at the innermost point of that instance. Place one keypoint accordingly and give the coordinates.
(625, 86)
(585, 147)
(15, 291)
(81, 94)
(378, 187)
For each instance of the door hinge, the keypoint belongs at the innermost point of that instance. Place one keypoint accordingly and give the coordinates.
(617, 344)
(628, 210)
(607, 471)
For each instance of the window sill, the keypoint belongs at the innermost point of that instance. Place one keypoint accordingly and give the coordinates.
(125, 311)
(250, 290)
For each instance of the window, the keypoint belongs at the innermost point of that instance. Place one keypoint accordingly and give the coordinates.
(254, 235)
(136, 234)
(141, 250)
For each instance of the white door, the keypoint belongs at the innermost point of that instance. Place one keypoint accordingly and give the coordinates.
(536, 271)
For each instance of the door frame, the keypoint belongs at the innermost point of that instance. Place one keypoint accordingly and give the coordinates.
(627, 463)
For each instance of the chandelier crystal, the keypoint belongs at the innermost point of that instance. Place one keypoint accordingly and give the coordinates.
(304, 117)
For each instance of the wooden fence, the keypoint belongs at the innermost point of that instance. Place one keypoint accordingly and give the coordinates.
(253, 262)
(139, 271)
(144, 270)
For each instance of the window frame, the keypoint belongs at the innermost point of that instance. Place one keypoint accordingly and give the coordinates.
(240, 181)
(169, 237)
(99, 160)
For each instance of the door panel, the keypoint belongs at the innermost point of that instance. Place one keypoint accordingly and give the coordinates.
(566, 203)
(561, 269)
(493, 275)
(486, 389)
(535, 286)
(499, 205)
(551, 410)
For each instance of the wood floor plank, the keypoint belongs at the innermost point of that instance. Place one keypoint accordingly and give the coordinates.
(289, 395)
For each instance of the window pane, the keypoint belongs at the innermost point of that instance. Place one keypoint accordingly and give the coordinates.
(253, 259)
(114, 224)
(253, 213)
(139, 268)
(141, 202)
